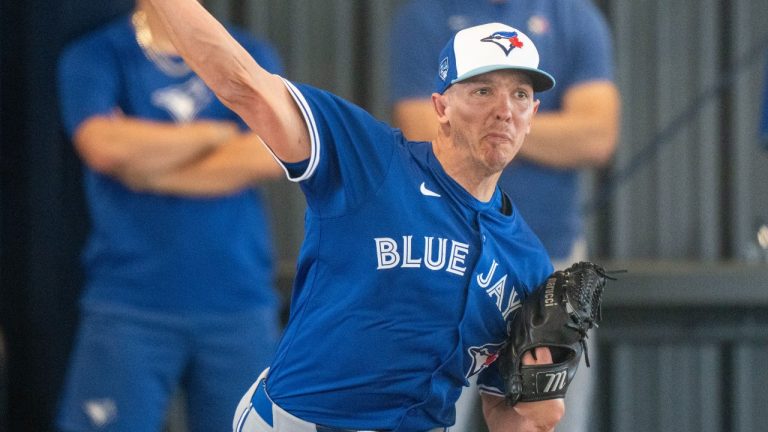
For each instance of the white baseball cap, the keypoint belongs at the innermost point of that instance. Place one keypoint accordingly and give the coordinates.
(489, 47)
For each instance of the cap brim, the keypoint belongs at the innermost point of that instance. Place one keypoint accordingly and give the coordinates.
(542, 81)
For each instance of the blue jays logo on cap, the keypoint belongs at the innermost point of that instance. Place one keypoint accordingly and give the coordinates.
(505, 40)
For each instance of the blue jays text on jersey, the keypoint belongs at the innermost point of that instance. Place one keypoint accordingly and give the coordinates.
(389, 257)
(404, 282)
(436, 254)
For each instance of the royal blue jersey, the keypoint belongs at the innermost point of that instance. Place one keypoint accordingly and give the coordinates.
(152, 251)
(574, 45)
(405, 282)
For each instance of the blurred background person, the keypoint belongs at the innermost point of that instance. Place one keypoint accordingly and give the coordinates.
(179, 261)
(576, 127)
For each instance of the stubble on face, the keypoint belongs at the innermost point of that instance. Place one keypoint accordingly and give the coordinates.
(487, 131)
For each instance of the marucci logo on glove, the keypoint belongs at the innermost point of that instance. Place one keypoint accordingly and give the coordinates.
(549, 293)
(551, 382)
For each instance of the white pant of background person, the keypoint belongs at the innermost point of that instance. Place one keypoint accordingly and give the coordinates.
(578, 399)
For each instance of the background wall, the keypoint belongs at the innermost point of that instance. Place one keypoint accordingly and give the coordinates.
(686, 193)
(688, 175)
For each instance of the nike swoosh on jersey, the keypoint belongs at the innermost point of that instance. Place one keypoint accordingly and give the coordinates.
(427, 192)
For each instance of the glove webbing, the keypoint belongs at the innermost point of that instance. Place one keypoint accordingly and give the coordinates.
(579, 293)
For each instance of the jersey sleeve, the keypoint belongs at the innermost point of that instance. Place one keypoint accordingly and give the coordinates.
(414, 50)
(88, 82)
(350, 152)
(591, 50)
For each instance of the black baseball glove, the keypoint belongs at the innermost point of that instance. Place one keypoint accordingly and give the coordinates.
(556, 315)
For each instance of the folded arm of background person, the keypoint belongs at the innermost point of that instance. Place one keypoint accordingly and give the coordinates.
(260, 98)
(584, 133)
(201, 158)
(241, 162)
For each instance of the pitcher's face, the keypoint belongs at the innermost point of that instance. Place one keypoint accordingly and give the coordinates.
(490, 115)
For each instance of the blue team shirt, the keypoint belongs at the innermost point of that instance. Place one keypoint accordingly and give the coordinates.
(405, 282)
(574, 45)
(160, 252)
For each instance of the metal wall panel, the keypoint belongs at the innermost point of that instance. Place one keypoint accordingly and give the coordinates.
(748, 180)
(689, 374)
(684, 367)
(700, 183)
(667, 196)
(665, 386)
(748, 392)
(682, 348)
(706, 180)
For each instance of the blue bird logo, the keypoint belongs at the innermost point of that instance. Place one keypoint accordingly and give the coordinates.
(507, 41)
